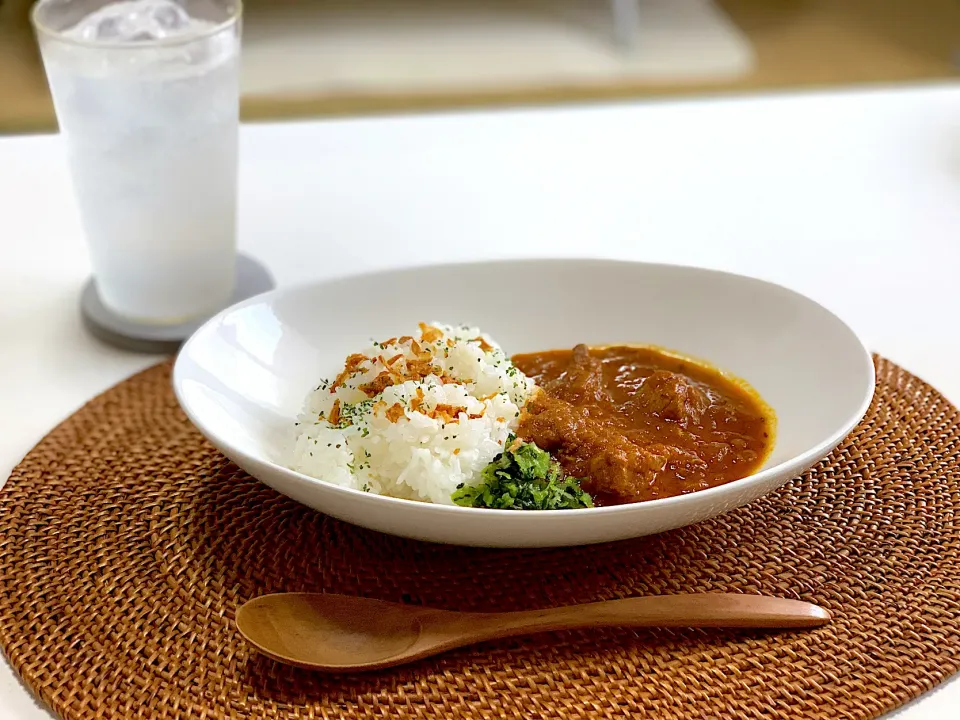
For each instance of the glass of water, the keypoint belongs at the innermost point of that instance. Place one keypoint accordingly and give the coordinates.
(146, 95)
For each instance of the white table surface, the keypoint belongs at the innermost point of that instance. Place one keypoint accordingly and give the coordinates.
(852, 198)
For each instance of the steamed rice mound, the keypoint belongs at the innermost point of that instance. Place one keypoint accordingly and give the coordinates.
(412, 417)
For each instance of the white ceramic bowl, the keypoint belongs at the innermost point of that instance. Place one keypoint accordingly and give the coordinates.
(243, 375)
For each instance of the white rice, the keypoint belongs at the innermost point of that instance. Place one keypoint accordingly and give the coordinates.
(404, 444)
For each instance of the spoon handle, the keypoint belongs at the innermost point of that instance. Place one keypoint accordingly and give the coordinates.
(694, 610)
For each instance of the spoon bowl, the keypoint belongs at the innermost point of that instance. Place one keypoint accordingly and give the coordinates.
(332, 631)
(338, 633)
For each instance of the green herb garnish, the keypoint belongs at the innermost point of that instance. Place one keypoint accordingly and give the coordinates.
(524, 477)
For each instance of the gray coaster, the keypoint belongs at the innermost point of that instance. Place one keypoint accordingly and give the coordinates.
(252, 279)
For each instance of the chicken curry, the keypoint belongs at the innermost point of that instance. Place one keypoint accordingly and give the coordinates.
(638, 423)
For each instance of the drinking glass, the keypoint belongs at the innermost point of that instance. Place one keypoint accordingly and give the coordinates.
(147, 99)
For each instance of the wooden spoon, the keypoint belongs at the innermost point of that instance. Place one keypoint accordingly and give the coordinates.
(338, 633)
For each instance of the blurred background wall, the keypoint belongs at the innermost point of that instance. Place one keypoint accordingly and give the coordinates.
(305, 58)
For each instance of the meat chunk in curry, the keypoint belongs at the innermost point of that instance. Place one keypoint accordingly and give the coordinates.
(581, 381)
(612, 466)
(639, 424)
(670, 396)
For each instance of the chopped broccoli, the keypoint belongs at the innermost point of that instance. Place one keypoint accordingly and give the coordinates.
(524, 477)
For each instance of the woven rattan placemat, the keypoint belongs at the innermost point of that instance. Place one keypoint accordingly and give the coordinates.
(127, 542)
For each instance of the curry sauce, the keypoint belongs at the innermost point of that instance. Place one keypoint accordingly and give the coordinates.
(637, 423)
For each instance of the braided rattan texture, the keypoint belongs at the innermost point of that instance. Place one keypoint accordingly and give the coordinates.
(127, 543)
